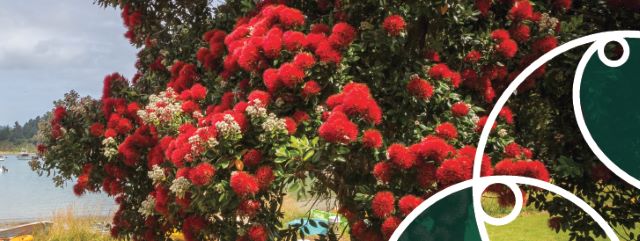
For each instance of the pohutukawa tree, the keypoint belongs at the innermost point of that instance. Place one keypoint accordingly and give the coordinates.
(375, 106)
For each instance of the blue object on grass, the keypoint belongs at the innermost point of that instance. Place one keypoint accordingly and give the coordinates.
(314, 226)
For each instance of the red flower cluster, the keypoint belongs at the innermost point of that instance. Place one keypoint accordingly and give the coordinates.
(460, 109)
(338, 129)
(408, 203)
(506, 46)
(401, 156)
(526, 168)
(201, 174)
(131, 20)
(420, 88)
(394, 25)
(521, 10)
(244, 184)
(372, 138)
(447, 130)
(442, 71)
(383, 204)
(356, 101)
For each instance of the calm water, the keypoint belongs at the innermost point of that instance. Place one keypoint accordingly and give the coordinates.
(26, 196)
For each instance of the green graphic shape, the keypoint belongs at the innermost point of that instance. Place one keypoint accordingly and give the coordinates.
(449, 219)
(610, 100)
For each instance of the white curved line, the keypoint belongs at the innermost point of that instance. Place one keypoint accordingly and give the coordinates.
(485, 181)
(478, 183)
(481, 217)
(577, 108)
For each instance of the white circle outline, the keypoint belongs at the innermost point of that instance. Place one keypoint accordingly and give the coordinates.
(478, 183)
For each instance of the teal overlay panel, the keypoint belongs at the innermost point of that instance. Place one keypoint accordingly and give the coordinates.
(611, 107)
(449, 219)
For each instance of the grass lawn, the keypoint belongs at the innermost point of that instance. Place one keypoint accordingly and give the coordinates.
(529, 226)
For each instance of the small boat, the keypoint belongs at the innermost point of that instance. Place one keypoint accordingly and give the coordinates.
(25, 229)
(2, 158)
(24, 155)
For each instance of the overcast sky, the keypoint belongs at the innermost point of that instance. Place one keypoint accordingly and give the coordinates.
(48, 47)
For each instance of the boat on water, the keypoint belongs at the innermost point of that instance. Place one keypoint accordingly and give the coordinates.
(24, 155)
(2, 158)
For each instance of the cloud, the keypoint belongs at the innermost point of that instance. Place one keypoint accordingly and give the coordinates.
(50, 47)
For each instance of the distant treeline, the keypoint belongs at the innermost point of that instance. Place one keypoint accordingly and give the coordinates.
(17, 137)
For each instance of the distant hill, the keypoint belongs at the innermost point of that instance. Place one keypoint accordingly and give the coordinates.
(17, 137)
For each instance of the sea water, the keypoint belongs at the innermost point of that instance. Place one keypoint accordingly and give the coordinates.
(24, 196)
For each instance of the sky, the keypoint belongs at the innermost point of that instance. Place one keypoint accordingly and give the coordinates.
(48, 47)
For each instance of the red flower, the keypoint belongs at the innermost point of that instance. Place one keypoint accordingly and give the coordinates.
(521, 32)
(264, 97)
(265, 176)
(432, 148)
(310, 88)
(271, 79)
(408, 203)
(447, 130)
(257, 233)
(320, 28)
(507, 48)
(356, 101)
(440, 71)
(432, 55)
(304, 60)
(484, 6)
(59, 113)
(252, 157)
(272, 43)
(189, 106)
(545, 44)
(383, 171)
(389, 226)
(198, 92)
(244, 184)
(420, 88)
(290, 74)
(426, 175)
(383, 204)
(372, 138)
(300, 116)
(342, 35)
(293, 40)
(455, 170)
(401, 156)
(521, 10)
(338, 129)
(512, 150)
(394, 25)
(500, 35)
(249, 207)
(507, 115)
(201, 174)
(473, 56)
(290, 17)
(327, 54)
(96, 129)
(460, 109)
(291, 125)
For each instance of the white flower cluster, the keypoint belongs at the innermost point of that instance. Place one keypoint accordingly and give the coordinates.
(256, 110)
(503, 133)
(147, 206)
(180, 186)
(229, 128)
(156, 174)
(272, 126)
(547, 22)
(109, 147)
(162, 108)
